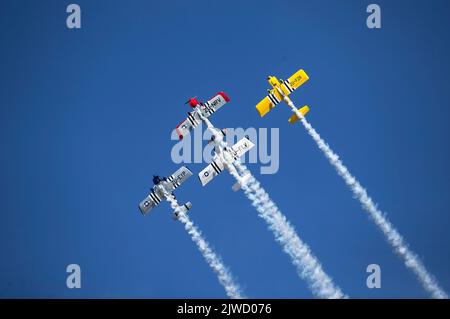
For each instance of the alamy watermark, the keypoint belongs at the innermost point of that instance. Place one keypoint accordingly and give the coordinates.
(73, 20)
(374, 279)
(373, 21)
(73, 280)
(193, 149)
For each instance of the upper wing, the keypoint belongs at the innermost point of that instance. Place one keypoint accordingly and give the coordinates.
(185, 127)
(149, 202)
(211, 106)
(211, 171)
(268, 103)
(242, 147)
(177, 178)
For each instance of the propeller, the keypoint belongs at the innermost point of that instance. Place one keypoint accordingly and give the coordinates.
(193, 102)
(195, 97)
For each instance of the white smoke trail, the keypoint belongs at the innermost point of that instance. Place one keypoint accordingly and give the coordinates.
(307, 265)
(232, 289)
(411, 260)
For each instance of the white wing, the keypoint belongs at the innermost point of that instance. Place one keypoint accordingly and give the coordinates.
(211, 171)
(184, 128)
(177, 178)
(149, 202)
(211, 106)
(242, 147)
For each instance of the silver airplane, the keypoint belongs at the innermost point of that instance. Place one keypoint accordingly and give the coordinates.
(200, 111)
(164, 187)
(224, 157)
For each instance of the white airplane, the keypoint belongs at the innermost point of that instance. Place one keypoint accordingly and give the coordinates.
(224, 157)
(163, 187)
(200, 111)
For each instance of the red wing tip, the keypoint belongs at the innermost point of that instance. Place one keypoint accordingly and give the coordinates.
(178, 132)
(227, 99)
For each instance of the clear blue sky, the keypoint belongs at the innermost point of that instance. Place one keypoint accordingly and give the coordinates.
(86, 116)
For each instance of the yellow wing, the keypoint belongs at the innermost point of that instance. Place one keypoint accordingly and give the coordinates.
(297, 80)
(303, 111)
(267, 104)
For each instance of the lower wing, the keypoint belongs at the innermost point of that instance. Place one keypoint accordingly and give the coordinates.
(268, 103)
(211, 171)
(184, 128)
(149, 202)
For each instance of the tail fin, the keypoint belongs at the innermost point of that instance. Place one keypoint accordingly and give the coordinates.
(303, 111)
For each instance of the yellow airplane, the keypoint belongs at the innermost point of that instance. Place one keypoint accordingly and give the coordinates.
(279, 90)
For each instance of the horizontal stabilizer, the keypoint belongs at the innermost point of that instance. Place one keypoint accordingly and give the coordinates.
(244, 180)
(183, 209)
(303, 111)
(187, 206)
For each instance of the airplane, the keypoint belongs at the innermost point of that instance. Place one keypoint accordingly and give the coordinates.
(224, 157)
(162, 188)
(280, 90)
(200, 111)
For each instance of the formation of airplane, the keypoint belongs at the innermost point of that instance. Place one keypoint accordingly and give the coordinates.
(224, 155)
(164, 187)
(280, 90)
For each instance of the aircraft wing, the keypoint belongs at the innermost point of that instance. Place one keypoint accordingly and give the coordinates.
(211, 106)
(177, 178)
(242, 147)
(211, 171)
(268, 103)
(149, 202)
(296, 80)
(185, 127)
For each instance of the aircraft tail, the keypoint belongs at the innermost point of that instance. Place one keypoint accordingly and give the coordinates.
(183, 209)
(222, 131)
(303, 111)
(244, 179)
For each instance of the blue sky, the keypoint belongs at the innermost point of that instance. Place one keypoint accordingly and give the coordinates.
(86, 117)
